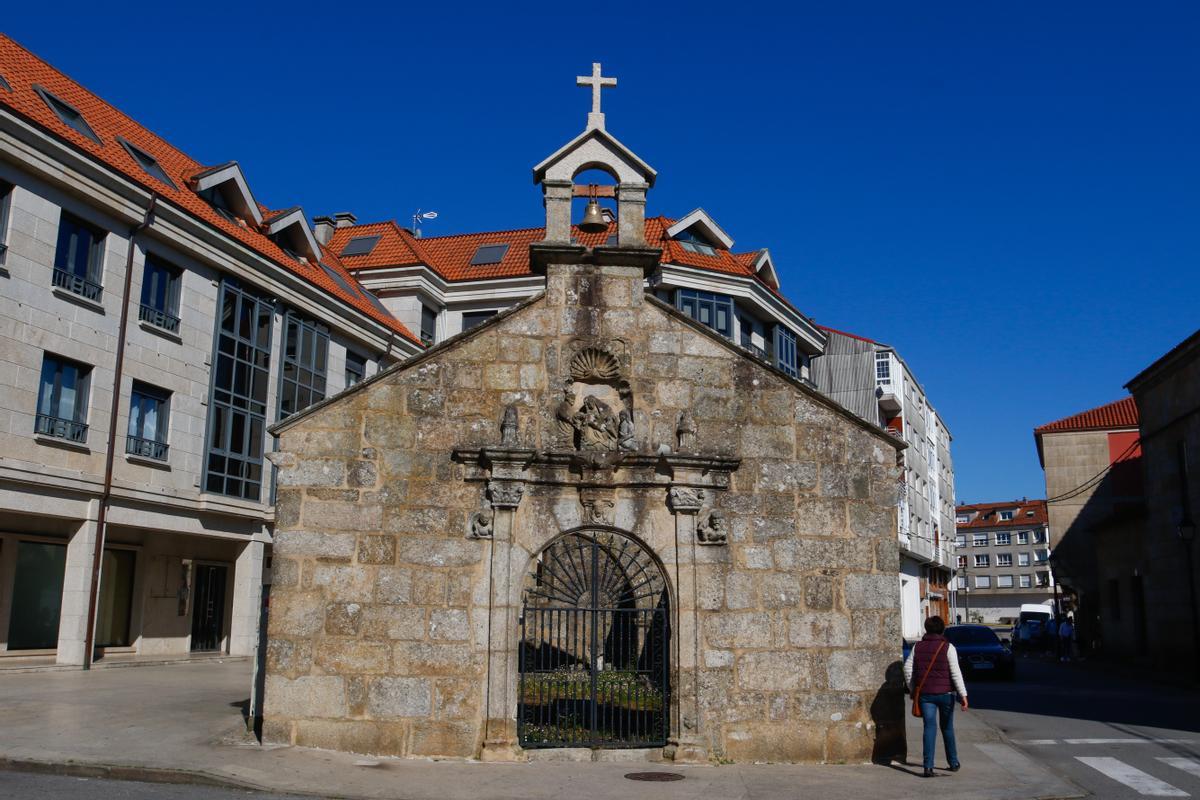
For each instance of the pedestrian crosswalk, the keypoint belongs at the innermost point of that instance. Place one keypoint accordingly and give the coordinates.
(1141, 781)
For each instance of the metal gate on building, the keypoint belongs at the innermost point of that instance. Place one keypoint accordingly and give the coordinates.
(595, 637)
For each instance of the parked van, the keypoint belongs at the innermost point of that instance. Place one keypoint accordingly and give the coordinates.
(1038, 612)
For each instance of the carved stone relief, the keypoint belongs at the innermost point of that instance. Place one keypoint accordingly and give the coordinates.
(686, 499)
(596, 408)
(713, 528)
(505, 494)
(481, 524)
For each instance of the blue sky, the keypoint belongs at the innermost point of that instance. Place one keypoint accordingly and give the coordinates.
(1006, 192)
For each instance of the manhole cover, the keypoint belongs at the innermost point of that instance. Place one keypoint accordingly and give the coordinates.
(654, 776)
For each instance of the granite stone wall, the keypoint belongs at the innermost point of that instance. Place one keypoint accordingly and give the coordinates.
(393, 631)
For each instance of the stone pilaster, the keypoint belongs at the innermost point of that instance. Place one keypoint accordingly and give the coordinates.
(557, 196)
(77, 585)
(631, 214)
(247, 599)
(687, 743)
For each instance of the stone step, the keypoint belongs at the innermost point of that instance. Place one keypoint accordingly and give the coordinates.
(581, 754)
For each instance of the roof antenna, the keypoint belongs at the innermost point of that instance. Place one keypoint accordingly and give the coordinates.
(417, 217)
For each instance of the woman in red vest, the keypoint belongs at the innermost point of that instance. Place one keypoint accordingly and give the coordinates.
(933, 677)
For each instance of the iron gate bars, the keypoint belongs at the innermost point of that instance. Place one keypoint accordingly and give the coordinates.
(594, 641)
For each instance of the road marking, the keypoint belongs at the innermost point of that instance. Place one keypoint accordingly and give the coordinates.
(1189, 765)
(1103, 741)
(1143, 783)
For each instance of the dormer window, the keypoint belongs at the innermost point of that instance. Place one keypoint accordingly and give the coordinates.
(225, 189)
(695, 244)
(1006, 516)
(68, 114)
(290, 232)
(489, 254)
(215, 197)
(147, 162)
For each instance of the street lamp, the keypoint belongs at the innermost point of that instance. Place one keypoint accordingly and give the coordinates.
(1187, 535)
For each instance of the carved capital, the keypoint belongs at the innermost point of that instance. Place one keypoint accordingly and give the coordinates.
(685, 499)
(505, 494)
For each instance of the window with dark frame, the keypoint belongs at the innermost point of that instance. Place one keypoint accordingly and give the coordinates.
(160, 295)
(79, 258)
(149, 412)
(147, 162)
(473, 319)
(216, 198)
(240, 374)
(6, 191)
(785, 351)
(428, 325)
(712, 310)
(356, 368)
(63, 399)
(70, 116)
(305, 358)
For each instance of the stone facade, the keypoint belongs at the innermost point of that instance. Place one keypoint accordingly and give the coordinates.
(412, 508)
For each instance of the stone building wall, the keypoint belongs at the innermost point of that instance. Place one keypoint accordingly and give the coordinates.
(392, 631)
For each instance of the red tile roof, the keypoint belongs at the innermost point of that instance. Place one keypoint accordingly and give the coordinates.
(1028, 513)
(450, 256)
(828, 329)
(23, 70)
(1120, 414)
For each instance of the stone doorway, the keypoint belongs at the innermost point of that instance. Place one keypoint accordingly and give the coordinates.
(595, 639)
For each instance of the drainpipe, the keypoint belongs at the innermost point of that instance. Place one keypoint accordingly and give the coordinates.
(106, 494)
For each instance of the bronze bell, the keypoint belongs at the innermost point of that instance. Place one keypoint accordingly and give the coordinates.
(593, 219)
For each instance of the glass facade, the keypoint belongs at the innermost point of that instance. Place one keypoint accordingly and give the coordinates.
(238, 411)
(37, 596)
(305, 358)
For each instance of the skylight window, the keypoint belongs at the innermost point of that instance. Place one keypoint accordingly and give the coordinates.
(489, 254)
(360, 246)
(338, 279)
(4, 84)
(147, 162)
(70, 116)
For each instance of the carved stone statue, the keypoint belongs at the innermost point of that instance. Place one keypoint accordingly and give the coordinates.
(564, 417)
(597, 425)
(713, 528)
(685, 433)
(625, 432)
(481, 524)
(510, 426)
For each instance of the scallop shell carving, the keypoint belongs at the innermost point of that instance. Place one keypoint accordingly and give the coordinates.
(594, 364)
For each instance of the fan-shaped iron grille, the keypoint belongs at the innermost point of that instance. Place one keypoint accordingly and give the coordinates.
(594, 643)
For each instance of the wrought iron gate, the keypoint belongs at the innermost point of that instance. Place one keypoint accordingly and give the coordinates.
(595, 635)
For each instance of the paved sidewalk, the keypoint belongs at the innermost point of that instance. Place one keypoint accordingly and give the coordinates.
(183, 722)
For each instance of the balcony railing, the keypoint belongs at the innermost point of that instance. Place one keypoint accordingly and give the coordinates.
(146, 448)
(159, 319)
(60, 428)
(77, 285)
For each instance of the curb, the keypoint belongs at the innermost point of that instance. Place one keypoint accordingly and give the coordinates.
(119, 772)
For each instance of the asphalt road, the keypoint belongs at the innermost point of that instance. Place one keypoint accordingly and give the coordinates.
(1118, 735)
(29, 786)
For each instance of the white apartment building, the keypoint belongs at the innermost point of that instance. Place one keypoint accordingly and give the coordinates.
(873, 381)
(155, 319)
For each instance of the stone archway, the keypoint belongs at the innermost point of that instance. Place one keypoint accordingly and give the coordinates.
(593, 660)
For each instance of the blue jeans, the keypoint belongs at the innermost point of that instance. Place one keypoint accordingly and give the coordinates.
(941, 705)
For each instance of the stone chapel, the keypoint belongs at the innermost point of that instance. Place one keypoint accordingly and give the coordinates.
(590, 522)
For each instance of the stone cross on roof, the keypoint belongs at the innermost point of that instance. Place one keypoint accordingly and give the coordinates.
(596, 118)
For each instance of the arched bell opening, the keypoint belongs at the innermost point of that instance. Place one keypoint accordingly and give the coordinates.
(595, 644)
(594, 206)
